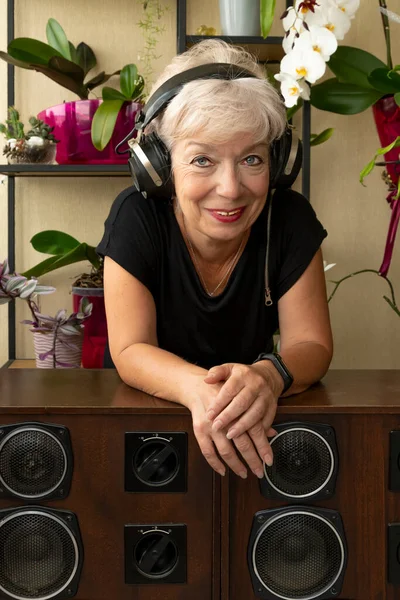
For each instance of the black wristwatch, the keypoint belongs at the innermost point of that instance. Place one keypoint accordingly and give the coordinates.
(280, 366)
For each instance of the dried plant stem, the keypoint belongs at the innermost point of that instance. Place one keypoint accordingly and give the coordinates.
(386, 30)
(391, 301)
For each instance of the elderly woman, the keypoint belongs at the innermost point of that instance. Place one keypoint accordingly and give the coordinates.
(188, 319)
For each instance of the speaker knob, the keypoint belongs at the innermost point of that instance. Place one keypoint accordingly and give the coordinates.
(156, 462)
(156, 555)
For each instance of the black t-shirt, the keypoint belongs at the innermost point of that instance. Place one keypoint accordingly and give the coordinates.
(143, 236)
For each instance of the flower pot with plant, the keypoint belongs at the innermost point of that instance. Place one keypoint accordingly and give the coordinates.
(73, 122)
(66, 250)
(361, 79)
(38, 145)
(57, 340)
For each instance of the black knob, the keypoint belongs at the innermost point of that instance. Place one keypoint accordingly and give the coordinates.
(156, 462)
(156, 555)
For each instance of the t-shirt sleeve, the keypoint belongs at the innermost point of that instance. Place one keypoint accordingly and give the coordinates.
(298, 235)
(130, 236)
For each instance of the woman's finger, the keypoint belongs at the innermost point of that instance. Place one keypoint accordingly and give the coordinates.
(218, 373)
(261, 443)
(207, 449)
(256, 412)
(239, 405)
(245, 446)
(229, 390)
(228, 454)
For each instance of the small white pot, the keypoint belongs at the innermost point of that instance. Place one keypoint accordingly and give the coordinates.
(240, 17)
(69, 358)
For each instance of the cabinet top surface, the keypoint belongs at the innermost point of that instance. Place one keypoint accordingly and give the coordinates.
(102, 391)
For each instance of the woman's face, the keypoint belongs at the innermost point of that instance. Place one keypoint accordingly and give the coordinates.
(220, 188)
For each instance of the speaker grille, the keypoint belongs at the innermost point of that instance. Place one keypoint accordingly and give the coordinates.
(298, 555)
(33, 462)
(38, 555)
(303, 463)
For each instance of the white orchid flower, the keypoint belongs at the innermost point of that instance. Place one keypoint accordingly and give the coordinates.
(303, 63)
(331, 17)
(289, 19)
(349, 7)
(292, 89)
(319, 39)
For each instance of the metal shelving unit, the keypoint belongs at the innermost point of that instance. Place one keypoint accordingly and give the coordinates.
(270, 48)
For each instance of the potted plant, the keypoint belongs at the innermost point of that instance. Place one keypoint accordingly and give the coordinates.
(361, 79)
(57, 340)
(38, 145)
(66, 250)
(69, 66)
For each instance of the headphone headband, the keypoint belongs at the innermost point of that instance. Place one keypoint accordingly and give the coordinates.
(170, 88)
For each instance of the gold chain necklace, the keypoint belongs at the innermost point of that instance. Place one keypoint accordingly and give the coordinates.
(227, 272)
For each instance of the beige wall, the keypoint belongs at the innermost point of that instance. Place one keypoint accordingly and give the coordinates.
(366, 331)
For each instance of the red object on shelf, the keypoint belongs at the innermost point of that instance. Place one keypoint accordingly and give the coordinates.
(95, 327)
(72, 122)
(387, 119)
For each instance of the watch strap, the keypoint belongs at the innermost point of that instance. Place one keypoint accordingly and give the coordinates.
(280, 366)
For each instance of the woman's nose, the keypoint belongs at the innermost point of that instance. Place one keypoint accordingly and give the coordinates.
(229, 183)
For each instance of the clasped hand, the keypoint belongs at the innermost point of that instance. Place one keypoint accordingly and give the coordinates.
(236, 407)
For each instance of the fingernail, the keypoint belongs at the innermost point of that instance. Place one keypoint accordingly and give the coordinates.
(217, 425)
(210, 415)
(259, 473)
(268, 460)
(243, 474)
(221, 472)
(231, 433)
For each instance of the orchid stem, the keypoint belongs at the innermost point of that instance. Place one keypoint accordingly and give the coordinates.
(386, 30)
(391, 301)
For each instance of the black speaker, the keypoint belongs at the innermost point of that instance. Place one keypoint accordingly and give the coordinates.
(305, 463)
(41, 553)
(155, 553)
(36, 461)
(156, 461)
(297, 553)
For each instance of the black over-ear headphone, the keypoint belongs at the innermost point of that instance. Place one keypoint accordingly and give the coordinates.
(150, 161)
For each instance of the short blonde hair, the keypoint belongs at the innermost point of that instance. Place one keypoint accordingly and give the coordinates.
(221, 108)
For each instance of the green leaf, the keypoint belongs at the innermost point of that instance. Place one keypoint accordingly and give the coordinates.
(128, 80)
(65, 73)
(395, 79)
(109, 93)
(396, 68)
(380, 80)
(74, 56)
(342, 98)
(352, 65)
(267, 12)
(13, 61)
(52, 241)
(103, 122)
(77, 254)
(31, 51)
(367, 170)
(86, 57)
(57, 39)
(99, 79)
(322, 137)
(397, 100)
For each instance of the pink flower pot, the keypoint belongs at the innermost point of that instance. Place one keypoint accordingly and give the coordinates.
(95, 330)
(72, 122)
(66, 356)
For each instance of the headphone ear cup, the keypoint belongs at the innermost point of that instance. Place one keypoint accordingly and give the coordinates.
(150, 166)
(286, 157)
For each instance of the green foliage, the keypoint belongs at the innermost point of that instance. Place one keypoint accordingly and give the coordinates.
(152, 28)
(59, 60)
(267, 13)
(380, 152)
(65, 250)
(12, 128)
(361, 80)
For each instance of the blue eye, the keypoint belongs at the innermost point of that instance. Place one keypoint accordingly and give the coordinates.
(201, 161)
(253, 160)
